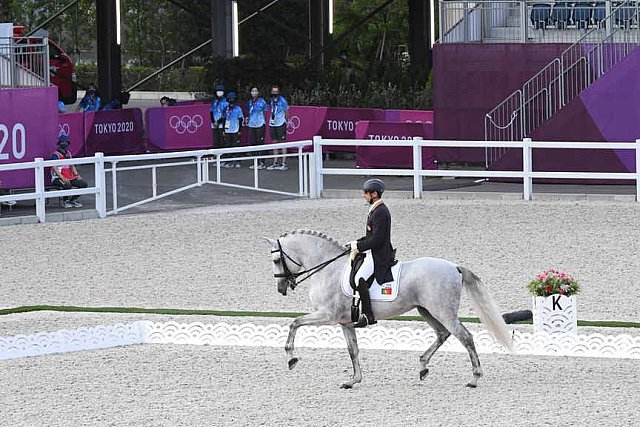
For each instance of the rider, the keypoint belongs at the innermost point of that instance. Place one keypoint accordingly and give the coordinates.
(376, 248)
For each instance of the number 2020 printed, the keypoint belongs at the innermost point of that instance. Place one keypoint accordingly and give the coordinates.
(13, 140)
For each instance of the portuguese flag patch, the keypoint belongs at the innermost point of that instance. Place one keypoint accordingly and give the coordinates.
(386, 291)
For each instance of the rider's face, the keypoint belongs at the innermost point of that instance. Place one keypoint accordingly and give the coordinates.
(367, 196)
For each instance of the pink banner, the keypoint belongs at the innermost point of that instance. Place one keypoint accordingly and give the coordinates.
(113, 132)
(340, 123)
(28, 129)
(72, 125)
(178, 128)
(409, 116)
(390, 156)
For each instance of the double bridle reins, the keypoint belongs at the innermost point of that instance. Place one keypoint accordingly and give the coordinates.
(292, 277)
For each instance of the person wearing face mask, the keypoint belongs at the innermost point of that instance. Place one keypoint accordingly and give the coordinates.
(91, 100)
(66, 177)
(233, 123)
(216, 113)
(279, 114)
(257, 107)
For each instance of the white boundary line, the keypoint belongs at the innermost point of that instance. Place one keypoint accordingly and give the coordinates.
(271, 335)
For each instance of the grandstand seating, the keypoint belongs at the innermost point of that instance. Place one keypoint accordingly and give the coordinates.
(582, 15)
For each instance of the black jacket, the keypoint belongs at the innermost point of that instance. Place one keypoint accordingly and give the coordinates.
(378, 240)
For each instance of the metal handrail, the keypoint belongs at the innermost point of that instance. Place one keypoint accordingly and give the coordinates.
(556, 88)
(24, 64)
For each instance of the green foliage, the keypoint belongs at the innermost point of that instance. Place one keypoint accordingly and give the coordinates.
(190, 79)
(368, 67)
(552, 282)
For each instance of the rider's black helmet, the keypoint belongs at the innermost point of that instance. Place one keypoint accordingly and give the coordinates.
(374, 185)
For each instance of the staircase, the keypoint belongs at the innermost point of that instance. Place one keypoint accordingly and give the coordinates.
(563, 79)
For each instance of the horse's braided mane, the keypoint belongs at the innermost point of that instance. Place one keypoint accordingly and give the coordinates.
(316, 234)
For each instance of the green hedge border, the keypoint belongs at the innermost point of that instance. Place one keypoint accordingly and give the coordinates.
(291, 314)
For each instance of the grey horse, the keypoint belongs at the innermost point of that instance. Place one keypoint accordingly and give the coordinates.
(430, 285)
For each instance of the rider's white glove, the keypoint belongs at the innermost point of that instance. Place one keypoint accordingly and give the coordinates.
(354, 246)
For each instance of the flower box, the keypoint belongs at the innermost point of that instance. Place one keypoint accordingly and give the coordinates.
(554, 302)
(555, 314)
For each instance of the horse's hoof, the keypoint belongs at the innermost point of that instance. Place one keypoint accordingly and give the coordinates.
(346, 386)
(293, 362)
(424, 373)
(472, 385)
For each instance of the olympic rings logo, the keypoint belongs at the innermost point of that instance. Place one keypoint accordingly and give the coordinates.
(64, 129)
(293, 124)
(182, 124)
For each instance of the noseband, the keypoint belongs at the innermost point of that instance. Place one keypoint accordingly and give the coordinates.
(292, 277)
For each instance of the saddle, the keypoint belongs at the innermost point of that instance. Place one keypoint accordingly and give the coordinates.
(385, 292)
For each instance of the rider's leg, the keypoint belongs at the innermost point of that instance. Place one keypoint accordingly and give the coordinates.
(363, 278)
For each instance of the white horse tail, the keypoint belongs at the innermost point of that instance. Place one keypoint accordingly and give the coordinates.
(486, 308)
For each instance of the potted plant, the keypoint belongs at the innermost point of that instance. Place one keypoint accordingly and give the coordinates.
(554, 302)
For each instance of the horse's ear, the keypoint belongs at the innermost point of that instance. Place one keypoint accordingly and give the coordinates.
(270, 241)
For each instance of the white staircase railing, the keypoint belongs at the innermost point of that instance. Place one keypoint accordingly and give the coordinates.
(24, 62)
(560, 81)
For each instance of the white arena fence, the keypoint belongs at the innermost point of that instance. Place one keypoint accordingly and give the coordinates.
(201, 161)
(527, 174)
(271, 335)
(311, 169)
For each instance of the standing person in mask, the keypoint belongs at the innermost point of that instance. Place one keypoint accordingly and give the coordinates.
(90, 101)
(66, 177)
(216, 113)
(279, 114)
(233, 116)
(257, 107)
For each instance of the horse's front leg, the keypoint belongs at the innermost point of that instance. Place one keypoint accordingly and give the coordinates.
(317, 318)
(352, 345)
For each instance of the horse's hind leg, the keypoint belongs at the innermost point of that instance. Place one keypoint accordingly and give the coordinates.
(352, 345)
(465, 337)
(441, 336)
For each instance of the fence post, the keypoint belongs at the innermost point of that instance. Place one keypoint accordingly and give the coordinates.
(101, 187)
(317, 160)
(527, 169)
(417, 167)
(40, 199)
(199, 169)
(637, 170)
(300, 172)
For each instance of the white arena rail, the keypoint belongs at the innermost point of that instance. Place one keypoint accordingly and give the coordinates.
(201, 160)
(527, 174)
(311, 169)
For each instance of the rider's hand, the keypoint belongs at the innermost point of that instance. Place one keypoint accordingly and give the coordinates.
(354, 246)
(352, 255)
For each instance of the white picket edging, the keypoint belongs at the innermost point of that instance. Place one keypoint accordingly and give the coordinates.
(271, 335)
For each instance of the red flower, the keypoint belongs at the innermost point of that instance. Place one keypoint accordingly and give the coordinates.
(549, 288)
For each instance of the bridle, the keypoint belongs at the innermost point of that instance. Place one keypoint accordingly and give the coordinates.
(292, 277)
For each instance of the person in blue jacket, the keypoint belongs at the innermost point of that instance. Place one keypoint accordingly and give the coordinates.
(91, 100)
(216, 113)
(233, 118)
(257, 107)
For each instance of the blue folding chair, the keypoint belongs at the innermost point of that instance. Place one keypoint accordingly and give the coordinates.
(561, 15)
(540, 16)
(582, 12)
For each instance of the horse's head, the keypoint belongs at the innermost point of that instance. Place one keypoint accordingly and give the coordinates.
(285, 267)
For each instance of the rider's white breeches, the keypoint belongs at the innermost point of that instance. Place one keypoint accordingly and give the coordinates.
(366, 270)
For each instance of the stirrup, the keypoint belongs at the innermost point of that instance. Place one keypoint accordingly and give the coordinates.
(364, 321)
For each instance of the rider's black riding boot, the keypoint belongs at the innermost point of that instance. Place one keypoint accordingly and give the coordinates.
(366, 317)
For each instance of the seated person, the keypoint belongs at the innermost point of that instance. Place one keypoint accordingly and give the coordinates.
(91, 100)
(165, 101)
(66, 177)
